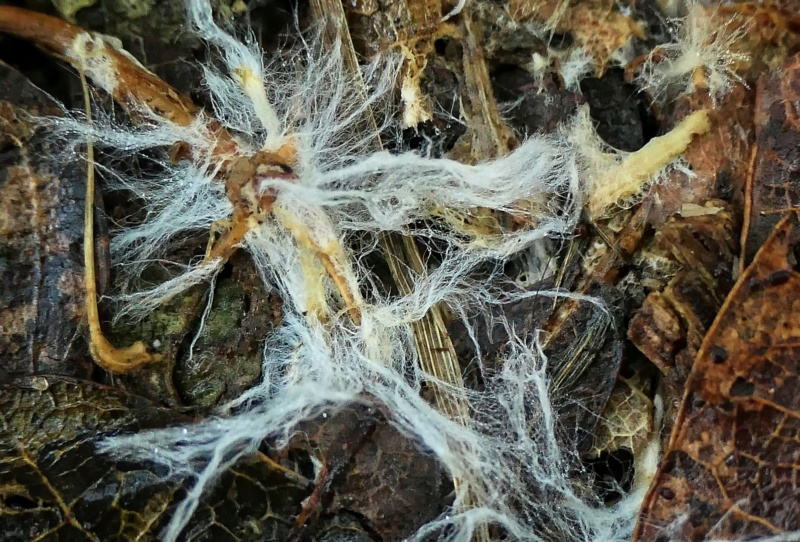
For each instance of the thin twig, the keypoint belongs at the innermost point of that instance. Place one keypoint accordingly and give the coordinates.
(106, 355)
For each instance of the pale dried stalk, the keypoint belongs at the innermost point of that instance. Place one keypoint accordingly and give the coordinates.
(491, 137)
(434, 347)
(629, 177)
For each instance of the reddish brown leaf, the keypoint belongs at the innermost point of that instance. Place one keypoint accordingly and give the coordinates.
(718, 160)
(731, 468)
(367, 468)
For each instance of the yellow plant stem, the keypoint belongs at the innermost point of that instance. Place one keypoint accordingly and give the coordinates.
(332, 257)
(106, 355)
(629, 177)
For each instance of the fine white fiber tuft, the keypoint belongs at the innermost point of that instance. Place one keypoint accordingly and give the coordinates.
(508, 460)
(576, 67)
(704, 46)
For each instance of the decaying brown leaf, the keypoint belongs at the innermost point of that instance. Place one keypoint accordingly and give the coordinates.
(696, 255)
(689, 262)
(771, 186)
(730, 471)
(368, 468)
(54, 485)
(718, 160)
(627, 420)
(40, 220)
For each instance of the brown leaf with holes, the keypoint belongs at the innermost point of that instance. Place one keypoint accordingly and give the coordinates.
(731, 468)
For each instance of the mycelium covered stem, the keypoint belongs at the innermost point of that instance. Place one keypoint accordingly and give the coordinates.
(626, 178)
(283, 160)
(145, 96)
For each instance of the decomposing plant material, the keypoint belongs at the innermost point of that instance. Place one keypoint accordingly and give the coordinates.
(602, 29)
(729, 469)
(491, 137)
(284, 166)
(770, 186)
(433, 346)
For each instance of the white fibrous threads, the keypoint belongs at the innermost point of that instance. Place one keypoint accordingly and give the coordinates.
(704, 53)
(575, 67)
(342, 337)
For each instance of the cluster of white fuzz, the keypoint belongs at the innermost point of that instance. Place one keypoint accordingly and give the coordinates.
(511, 470)
(704, 45)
